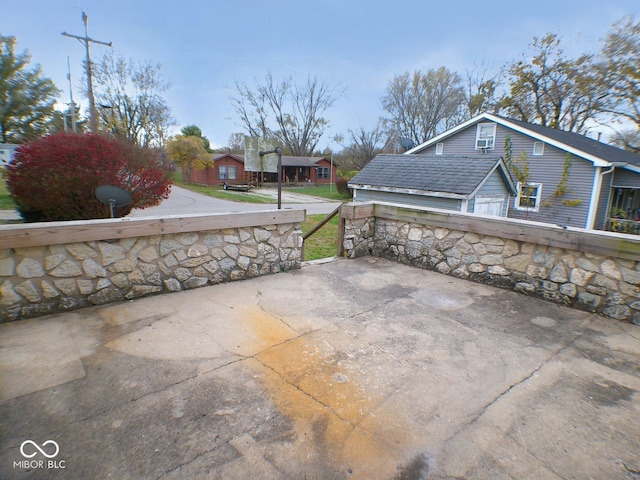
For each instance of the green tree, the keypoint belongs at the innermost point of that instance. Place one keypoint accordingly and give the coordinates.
(188, 153)
(194, 131)
(553, 90)
(26, 97)
(620, 75)
(422, 105)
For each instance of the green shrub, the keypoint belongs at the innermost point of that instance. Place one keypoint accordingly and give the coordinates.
(55, 177)
(346, 174)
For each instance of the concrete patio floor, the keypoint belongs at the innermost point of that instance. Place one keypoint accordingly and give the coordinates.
(354, 369)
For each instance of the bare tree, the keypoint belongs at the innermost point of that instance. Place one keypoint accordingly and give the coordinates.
(552, 90)
(363, 145)
(627, 139)
(481, 90)
(620, 75)
(129, 100)
(286, 111)
(235, 143)
(422, 105)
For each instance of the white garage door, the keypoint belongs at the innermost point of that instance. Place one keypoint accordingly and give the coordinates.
(489, 205)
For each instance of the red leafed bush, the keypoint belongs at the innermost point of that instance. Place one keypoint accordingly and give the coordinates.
(55, 177)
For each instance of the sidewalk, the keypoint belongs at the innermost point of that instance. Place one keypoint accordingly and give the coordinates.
(354, 369)
(6, 215)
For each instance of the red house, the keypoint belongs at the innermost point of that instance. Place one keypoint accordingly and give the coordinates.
(229, 168)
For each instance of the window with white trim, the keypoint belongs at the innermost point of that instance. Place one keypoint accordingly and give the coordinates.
(439, 148)
(529, 196)
(538, 148)
(485, 136)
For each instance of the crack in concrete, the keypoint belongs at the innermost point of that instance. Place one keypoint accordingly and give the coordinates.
(241, 358)
(324, 405)
(375, 307)
(141, 397)
(262, 309)
(289, 340)
(508, 390)
(626, 332)
(632, 471)
(203, 453)
(177, 467)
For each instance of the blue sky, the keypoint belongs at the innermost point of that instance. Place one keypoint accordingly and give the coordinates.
(206, 46)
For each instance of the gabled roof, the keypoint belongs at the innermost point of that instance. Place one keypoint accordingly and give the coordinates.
(287, 161)
(457, 176)
(235, 156)
(601, 154)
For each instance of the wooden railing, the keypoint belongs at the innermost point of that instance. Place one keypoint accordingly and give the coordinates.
(324, 221)
(622, 225)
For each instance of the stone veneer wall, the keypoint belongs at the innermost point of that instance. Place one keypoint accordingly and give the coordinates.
(42, 271)
(593, 271)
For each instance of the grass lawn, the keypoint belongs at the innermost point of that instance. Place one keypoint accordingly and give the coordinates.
(323, 243)
(254, 195)
(6, 202)
(219, 192)
(320, 191)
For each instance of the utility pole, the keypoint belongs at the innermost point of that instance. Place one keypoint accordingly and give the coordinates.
(72, 105)
(331, 175)
(93, 114)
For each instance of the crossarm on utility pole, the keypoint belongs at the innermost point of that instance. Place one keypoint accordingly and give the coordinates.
(93, 120)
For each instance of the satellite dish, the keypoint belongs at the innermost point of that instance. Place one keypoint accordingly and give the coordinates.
(406, 143)
(113, 196)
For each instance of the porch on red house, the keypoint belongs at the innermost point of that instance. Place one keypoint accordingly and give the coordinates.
(229, 168)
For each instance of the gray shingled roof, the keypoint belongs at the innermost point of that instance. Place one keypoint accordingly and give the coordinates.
(457, 174)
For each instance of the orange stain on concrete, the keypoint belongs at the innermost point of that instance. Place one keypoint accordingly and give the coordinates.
(262, 329)
(348, 424)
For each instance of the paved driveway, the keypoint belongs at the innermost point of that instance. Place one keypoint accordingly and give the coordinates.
(355, 369)
(183, 201)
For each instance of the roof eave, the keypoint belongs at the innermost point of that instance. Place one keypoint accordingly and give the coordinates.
(505, 175)
(628, 166)
(411, 191)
